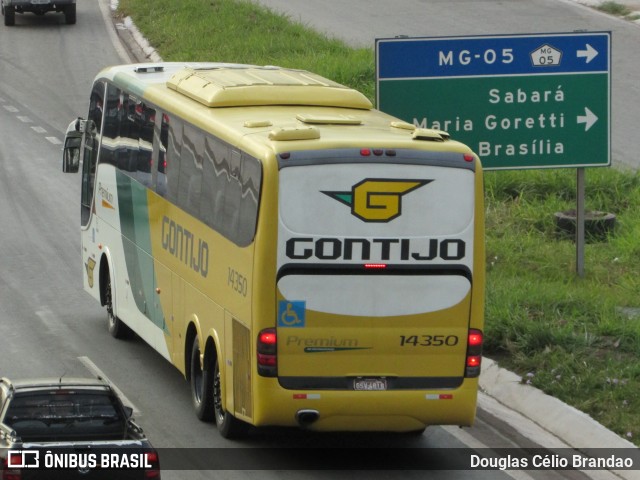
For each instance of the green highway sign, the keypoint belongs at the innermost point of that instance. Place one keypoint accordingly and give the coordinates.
(519, 101)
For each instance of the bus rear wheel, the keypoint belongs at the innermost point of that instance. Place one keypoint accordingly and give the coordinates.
(228, 425)
(201, 385)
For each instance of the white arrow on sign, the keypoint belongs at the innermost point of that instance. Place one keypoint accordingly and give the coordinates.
(590, 53)
(589, 118)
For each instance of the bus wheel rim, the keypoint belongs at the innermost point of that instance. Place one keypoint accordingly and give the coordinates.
(217, 397)
(196, 372)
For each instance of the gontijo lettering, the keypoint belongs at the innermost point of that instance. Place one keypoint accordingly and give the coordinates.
(377, 249)
(183, 244)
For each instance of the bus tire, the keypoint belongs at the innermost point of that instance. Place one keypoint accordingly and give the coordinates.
(201, 385)
(70, 14)
(228, 425)
(116, 327)
(9, 16)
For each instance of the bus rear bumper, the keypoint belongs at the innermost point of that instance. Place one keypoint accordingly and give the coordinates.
(393, 411)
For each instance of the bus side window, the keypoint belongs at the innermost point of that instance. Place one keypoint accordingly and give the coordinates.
(190, 184)
(233, 197)
(172, 168)
(96, 105)
(146, 117)
(230, 191)
(250, 179)
(116, 142)
(161, 181)
(209, 190)
(215, 178)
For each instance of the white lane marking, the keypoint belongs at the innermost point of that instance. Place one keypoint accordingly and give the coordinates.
(474, 443)
(93, 368)
(25, 119)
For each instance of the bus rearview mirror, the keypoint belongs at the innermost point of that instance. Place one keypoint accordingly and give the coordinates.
(71, 154)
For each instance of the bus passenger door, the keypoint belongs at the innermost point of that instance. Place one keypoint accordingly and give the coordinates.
(89, 152)
(88, 174)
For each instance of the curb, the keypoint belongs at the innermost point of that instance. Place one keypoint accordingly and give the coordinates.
(141, 48)
(137, 45)
(573, 427)
(576, 428)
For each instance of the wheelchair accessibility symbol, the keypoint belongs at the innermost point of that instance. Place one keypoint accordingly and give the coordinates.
(291, 314)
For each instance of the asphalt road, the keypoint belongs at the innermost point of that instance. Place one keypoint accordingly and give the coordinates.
(50, 327)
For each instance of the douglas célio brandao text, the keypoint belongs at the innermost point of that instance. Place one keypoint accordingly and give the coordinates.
(550, 461)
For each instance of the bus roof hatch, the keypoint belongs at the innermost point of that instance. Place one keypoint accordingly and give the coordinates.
(254, 86)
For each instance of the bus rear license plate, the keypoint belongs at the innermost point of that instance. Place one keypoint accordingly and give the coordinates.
(370, 384)
(39, 2)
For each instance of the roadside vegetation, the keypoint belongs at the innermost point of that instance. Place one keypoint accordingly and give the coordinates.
(617, 9)
(575, 338)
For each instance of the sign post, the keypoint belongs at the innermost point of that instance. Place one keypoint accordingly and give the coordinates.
(519, 101)
(580, 214)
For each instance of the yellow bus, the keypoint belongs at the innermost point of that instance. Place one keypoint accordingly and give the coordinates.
(301, 257)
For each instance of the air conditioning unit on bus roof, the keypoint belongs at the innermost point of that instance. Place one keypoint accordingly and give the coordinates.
(253, 86)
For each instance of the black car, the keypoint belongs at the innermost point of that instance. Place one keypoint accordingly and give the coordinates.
(61, 428)
(39, 7)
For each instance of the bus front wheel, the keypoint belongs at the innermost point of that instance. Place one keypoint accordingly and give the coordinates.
(116, 327)
(228, 425)
(201, 385)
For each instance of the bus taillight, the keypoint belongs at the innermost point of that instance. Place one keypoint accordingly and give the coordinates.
(267, 353)
(474, 353)
(375, 266)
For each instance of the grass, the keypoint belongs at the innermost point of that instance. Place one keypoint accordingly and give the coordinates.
(565, 335)
(617, 9)
(614, 8)
(241, 32)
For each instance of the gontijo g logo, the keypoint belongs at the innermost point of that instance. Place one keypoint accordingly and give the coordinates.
(377, 199)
